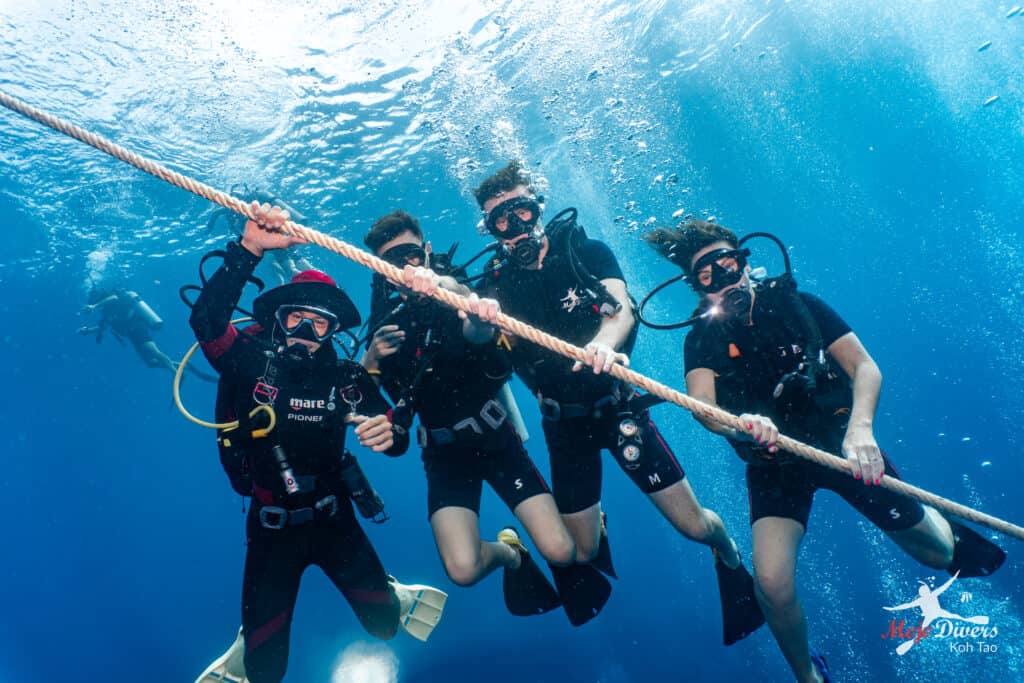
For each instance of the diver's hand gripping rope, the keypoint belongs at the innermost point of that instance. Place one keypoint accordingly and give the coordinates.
(516, 327)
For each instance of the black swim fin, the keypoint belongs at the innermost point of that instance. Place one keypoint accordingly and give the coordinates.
(603, 561)
(583, 590)
(527, 590)
(741, 615)
(973, 554)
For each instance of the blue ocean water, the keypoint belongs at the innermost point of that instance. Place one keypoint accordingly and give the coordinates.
(858, 132)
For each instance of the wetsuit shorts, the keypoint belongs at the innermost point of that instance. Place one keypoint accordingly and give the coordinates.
(274, 562)
(575, 447)
(456, 471)
(788, 491)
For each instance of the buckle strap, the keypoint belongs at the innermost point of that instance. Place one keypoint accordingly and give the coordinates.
(491, 416)
(641, 402)
(274, 517)
(552, 410)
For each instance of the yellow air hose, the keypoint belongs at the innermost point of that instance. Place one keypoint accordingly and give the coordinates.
(224, 426)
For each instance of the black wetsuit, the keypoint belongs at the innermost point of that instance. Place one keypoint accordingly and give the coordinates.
(749, 362)
(287, 532)
(580, 409)
(453, 386)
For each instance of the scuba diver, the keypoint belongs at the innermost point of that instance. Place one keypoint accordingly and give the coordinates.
(293, 462)
(453, 373)
(286, 263)
(787, 362)
(129, 317)
(556, 279)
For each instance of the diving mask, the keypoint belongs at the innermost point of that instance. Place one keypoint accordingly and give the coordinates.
(401, 255)
(317, 325)
(513, 217)
(718, 269)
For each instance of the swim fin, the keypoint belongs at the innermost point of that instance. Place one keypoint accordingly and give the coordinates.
(973, 554)
(420, 608)
(229, 667)
(822, 666)
(741, 615)
(583, 590)
(603, 561)
(527, 590)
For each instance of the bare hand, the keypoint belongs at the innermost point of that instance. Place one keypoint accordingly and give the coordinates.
(862, 452)
(266, 232)
(374, 432)
(601, 357)
(387, 340)
(421, 280)
(486, 310)
(761, 430)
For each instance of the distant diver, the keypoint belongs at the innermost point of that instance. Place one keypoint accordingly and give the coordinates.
(557, 279)
(293, 463)
(787, 363)
(127, 316)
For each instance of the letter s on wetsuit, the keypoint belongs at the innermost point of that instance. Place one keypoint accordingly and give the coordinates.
(316, 525)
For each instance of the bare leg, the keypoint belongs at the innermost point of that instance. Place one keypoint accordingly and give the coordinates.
(466, 558)
(585, 528)
(153, 357)
(539, 515)
(776, 541)
(930, 541)
(681, 508)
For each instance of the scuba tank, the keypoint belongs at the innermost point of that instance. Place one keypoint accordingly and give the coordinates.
(140, 309)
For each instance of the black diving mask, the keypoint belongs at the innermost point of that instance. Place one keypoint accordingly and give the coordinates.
(517, 216)
(401, 255)
(718, 269)
(317, 327)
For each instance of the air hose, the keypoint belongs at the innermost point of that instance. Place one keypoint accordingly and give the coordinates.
(223, 426)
